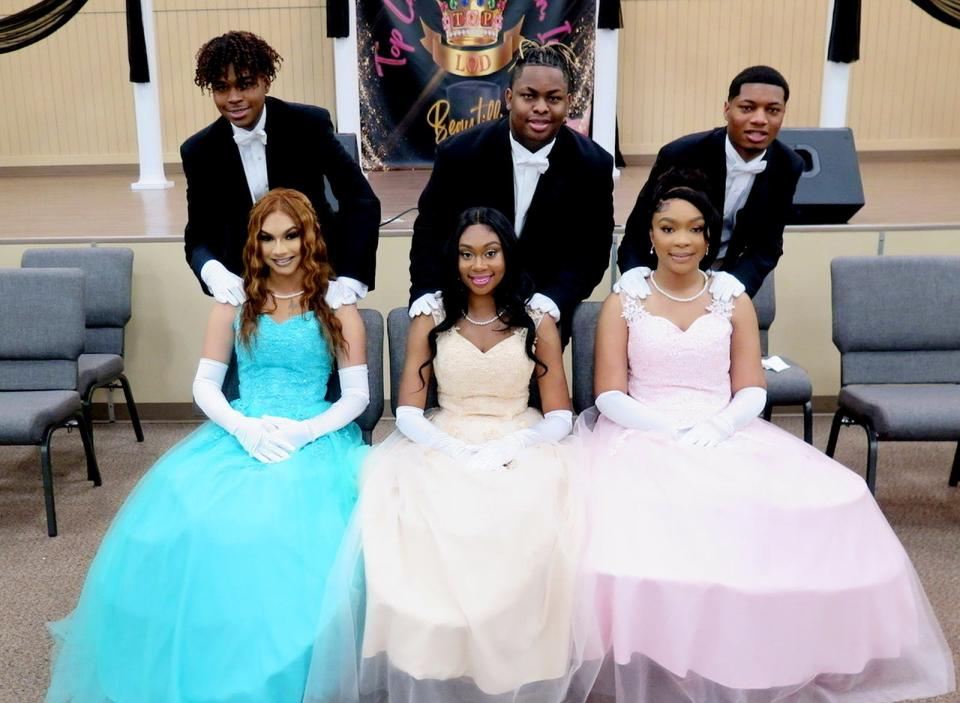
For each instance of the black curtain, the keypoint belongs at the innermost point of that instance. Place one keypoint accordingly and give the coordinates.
(844, 46)
(338, 18)
(609, 15)
(33, 24)
(947, 11)
(136, 44)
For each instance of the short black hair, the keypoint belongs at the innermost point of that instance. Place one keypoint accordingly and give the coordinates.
(758, 74)
(693, 186)
(554, 55)
(247, 52)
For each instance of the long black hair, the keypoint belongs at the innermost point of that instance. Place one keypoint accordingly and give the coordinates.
(510, 295)
(692, 186)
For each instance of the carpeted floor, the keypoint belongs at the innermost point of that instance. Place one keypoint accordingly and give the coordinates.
(40, 578)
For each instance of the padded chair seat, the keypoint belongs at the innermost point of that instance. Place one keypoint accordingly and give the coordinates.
(789, 387)
(97, 369)
(24, 415)
(918, 411)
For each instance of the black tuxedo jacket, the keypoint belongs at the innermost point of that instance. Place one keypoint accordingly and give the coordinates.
(565, 242)
(757, 240)
(301, 149)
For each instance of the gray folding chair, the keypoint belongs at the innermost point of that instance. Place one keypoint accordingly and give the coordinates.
(41, 337)
(398, 324)
(373, 326)
(897, 327)
(108, 287)
(791, 386)
(583, 332)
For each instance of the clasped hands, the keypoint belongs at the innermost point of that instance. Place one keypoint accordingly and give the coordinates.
(493, 455)
(270, 439)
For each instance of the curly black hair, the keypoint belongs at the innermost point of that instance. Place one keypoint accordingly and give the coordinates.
(247, 52)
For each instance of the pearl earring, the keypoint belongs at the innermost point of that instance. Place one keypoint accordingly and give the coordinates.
(651, 248)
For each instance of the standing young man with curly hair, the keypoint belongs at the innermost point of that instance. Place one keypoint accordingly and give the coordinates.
(259, 143)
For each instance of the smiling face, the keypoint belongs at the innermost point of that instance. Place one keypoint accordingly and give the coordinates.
(679, 236)
(754, 117)
(538, 101)
(281, 245)
(240, 98)
(481, 261)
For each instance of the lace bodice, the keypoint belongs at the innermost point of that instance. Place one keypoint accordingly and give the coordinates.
(683, 373)
(285, 370)
(494, 383)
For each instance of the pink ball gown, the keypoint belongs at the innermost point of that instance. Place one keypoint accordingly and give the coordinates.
(755, 571)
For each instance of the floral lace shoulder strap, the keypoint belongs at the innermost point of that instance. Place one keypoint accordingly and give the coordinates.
(722, 308)
(633, 309)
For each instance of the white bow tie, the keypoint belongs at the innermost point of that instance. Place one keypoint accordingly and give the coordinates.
(537, 161)
(245, 137)
(749, 167)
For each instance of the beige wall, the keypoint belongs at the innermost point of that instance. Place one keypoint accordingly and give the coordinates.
(165, 333)
(75, 106)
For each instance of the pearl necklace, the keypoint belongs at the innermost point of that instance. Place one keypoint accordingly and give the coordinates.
(287, 296)
(480, 323)
(706, 282)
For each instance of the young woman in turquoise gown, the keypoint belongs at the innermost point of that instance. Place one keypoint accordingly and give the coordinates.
(207, 586)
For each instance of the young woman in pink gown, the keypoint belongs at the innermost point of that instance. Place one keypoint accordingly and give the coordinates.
(730, 561)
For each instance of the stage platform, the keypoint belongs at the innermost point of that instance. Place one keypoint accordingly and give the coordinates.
(97, 203)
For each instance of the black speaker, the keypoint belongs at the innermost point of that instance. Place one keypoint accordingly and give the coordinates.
(830, 190)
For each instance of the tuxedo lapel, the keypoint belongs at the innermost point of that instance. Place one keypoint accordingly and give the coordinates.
(500, 176)
(234, 181)
(543, 205)
(716, 166)
(278, 142)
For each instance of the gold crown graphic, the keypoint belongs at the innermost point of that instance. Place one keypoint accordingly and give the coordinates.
(472, 22)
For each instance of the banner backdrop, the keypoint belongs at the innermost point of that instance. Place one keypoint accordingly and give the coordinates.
(432, 68)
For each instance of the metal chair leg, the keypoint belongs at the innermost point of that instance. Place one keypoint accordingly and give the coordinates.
(367, 436)
(86, 435)
(47, 474)
(955, 471)
(131, 408)
(871, 459)
(808, 422)
(834, 433)
(86, 414)
(768, 413)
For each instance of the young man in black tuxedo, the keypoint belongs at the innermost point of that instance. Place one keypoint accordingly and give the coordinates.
(259, 143)
(752, 177)
(554, 184)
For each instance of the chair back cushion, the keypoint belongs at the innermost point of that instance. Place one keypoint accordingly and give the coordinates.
(107, 291)
(583, 332)
(895, 318)
(41, 329)
(765, 303)
(373, 328)
(398, 324)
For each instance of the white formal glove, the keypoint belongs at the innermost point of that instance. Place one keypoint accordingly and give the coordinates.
(541, 303)
(226, 287)
(631, 413)
(633, 282)
(725, 286)
(496, 454)
(344, 291)
(354, 397)
(254, 434)
(744, 407)
(426, 304)
(417, 428)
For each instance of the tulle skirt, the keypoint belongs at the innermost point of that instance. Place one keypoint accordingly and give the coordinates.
(208, 585)
(457, 585)
(755, 571)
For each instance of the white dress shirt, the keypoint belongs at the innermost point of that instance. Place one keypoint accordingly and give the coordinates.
(527, 168)
(740, 177)
(252, 145)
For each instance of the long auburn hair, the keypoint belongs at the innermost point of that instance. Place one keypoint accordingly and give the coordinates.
(510, 295)
(316, 267)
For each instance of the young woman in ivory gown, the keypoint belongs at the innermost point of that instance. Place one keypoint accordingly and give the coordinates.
(732, 562)
(466, 526)
(208, 585)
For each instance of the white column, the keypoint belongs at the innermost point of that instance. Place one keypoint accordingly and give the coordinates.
(835, 89)
(146, 100)
(347, 78)
(606, 55)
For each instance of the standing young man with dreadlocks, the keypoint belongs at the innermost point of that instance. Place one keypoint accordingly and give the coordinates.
(259, 143)
(553, 184)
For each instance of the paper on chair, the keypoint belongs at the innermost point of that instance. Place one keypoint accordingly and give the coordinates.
(774, 363)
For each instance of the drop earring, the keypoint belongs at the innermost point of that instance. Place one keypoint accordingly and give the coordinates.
(651, 248)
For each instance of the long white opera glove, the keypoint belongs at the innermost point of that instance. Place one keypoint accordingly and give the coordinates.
(631, 413)
(745, 405)
(725, 286)
(496, 454)
(426, 304)
(633, 282)
(544, 304)
(344, 291)
(417, 428)
(354, 397)
(252, 433)
(226, 287)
